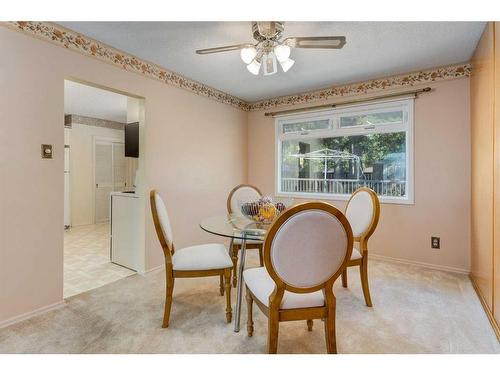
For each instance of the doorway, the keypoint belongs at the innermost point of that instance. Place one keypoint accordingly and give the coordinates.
(96, 171)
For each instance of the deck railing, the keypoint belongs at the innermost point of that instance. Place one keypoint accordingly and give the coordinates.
(342, 186)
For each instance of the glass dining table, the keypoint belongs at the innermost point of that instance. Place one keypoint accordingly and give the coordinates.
(235, 227)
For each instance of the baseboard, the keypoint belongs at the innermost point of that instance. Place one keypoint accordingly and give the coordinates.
(31, 314)
(154, 269)
(420, 264)
(486, 309)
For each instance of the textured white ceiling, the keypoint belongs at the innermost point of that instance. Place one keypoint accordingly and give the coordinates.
(373, 49)
(89, 101)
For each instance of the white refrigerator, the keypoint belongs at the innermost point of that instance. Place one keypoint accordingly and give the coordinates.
(67, 207)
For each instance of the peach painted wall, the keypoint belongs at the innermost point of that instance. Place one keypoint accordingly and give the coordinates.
(195, 153)
(442, 180)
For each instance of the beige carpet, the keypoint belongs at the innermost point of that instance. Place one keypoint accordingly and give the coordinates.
(415, 310)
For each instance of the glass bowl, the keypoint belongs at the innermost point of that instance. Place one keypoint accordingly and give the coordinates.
(263, 211)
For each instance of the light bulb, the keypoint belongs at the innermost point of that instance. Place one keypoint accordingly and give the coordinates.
(287, 64)
(282, 52)
(248, 54)
(254, 67)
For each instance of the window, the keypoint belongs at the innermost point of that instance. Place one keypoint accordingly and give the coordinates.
(304, 126)
(330, 154)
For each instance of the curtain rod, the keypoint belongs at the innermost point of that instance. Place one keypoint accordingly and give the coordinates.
(334, 105)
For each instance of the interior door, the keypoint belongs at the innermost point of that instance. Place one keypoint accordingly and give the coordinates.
(103, 171)
(119, 167)
(110, 174)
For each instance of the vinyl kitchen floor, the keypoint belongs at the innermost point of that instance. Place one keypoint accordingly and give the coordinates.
(86, 259)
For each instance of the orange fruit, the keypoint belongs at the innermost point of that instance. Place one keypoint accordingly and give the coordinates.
(267, 212)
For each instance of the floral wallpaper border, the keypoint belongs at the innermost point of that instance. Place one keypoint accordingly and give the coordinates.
(394, 82)
(87, 46)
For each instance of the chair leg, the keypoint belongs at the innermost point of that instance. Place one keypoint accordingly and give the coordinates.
(168, 301)
(234, 258)
(273, 331)
(227, 284)
(261, 255)
(249, 313)
(331, 342)
(310, 325)
(363, 271)
(221, 285)
(344, 278)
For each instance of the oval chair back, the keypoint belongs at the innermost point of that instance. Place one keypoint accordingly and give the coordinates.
(241, 194)
(307, 248)
(162, 223)
(363, 211)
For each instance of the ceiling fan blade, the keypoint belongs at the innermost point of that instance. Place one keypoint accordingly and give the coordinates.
(234, 47)
(334, 42)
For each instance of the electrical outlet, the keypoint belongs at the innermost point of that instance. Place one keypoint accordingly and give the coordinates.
(435, 242)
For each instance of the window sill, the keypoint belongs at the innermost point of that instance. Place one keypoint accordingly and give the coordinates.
(343, 197)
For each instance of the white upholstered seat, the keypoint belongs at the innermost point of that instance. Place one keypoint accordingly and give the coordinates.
(355, 254)
(239, 195)
(261, 285)
(194, 261)
(201, 257)
(305, 250)
(362, 211)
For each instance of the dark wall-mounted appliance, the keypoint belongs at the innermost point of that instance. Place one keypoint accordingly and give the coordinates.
(132, 140)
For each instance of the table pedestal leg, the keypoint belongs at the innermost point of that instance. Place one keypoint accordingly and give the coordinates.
(239, 287)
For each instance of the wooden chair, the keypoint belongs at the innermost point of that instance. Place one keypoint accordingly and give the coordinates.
(363, 212)
(194, 261)
(242, 193)
(305, 251)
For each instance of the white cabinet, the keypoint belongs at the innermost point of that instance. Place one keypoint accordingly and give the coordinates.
(125, 229)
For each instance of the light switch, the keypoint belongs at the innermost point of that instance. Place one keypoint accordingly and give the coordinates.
(46, 151)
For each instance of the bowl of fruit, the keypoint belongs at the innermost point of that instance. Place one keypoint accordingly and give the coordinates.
(263, 211)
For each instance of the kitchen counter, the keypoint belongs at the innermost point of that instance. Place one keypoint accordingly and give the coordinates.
(125, 194)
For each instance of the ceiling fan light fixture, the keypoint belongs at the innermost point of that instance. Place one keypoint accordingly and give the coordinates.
(282, 52)
(270, 47)
(248, 54)
(269, 61)
(254, 67)
(287, 64)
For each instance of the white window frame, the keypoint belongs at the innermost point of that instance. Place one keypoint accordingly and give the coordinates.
(406, 104)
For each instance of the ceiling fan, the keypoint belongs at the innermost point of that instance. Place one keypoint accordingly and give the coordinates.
(270, 48)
